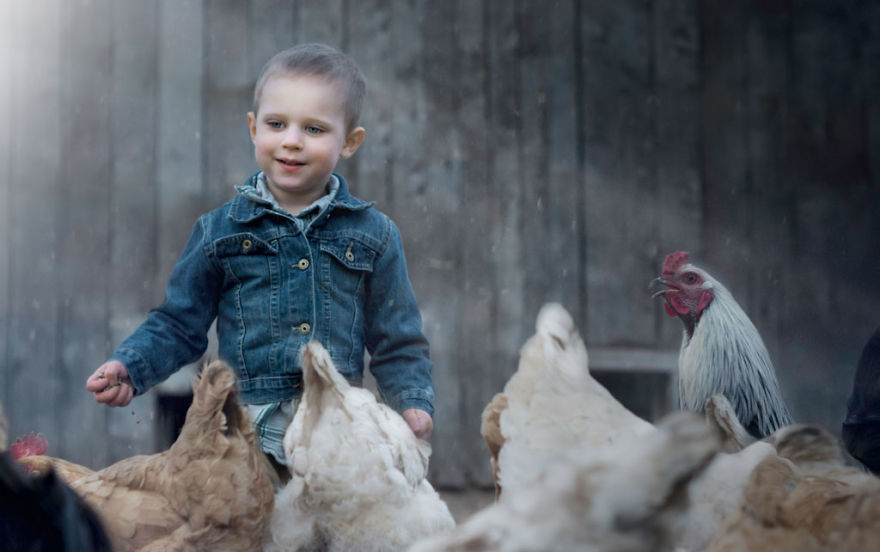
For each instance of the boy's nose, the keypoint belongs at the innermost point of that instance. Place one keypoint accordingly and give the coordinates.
(292, 138)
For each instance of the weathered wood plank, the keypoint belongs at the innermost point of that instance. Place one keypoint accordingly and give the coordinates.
(430, 172)
(228, 153)
(728, 229)
(480, 372)
(498, 233)
(179, 131)
(826, 117)
(272, 24)
(134, 214)
(368, 42)
(551, 227)
(679, 200)
(83, 218)
(766, 103)
(619, 125)
(35, 177)
(323, 21)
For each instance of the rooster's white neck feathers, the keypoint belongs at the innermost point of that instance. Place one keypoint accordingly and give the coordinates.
(727, 355)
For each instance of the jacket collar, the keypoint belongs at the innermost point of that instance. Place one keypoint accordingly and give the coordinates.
(247, 205)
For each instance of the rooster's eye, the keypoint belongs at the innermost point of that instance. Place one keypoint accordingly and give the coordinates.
(690, 277)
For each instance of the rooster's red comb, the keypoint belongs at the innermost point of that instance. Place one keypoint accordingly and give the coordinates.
(674, 261)
(29, 445)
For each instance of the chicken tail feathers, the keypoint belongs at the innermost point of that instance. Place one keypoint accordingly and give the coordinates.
(318, 369)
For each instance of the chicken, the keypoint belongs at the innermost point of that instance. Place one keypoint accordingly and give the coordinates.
(553, 404)
(805, 499)
(210, 491)
(357, 471)
(490, 429)
(719, 413)
(716, 493)
(629, 495)
(721, 350)
(29, 451)
(861, 427)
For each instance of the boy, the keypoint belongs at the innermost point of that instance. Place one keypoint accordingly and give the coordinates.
(293, 257)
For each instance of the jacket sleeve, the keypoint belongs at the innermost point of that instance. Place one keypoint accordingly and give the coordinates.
(175, 333)
(399, 357)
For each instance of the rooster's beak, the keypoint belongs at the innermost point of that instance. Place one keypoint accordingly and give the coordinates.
(663, 286)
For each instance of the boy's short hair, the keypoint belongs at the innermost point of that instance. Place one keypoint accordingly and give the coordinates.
(318, 60)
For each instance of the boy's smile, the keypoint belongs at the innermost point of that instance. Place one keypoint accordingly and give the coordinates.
(299, 135)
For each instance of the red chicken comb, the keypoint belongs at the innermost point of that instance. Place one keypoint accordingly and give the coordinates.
(673, 262)
(29, 445)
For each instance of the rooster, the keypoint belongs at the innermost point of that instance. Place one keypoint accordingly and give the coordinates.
(210, 491)
(358, 473)
(721, 350)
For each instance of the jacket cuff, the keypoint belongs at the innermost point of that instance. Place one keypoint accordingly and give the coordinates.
(135, 365)
(415, 398)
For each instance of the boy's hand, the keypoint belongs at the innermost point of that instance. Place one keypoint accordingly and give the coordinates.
(419, 422)
(110, 384)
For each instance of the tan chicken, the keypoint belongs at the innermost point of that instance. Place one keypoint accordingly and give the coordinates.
(553, 404)
(805, 499)
(630, 495)
(357, 471)
(30, 450)
(490, 429)
(209, 491)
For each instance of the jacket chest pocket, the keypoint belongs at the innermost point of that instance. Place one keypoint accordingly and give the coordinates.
(246, 258)
(349, 262)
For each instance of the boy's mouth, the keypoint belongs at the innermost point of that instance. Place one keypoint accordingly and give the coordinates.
(290, 163)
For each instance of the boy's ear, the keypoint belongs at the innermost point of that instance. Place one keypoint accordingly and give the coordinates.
(352, 142)
(252, 125)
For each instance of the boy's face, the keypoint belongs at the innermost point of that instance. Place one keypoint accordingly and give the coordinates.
(299, 135)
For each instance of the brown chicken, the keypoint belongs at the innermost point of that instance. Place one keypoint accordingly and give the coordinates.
(804, 500)
(490, 429)
(210, 491)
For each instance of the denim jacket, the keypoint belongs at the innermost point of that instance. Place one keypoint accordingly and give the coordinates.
(273, 286)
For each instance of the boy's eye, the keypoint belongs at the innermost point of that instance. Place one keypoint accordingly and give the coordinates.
(275, 124)
(312, 129)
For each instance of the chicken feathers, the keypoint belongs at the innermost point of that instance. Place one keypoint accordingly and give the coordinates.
(209, 491)
(554, 403)
(358, 474)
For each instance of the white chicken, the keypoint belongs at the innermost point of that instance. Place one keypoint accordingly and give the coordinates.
(555, 409)
(357, 471)
(716, 494)
(553, 403)
(630, 495)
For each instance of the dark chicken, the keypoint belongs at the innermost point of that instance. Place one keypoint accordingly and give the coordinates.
(861, 428)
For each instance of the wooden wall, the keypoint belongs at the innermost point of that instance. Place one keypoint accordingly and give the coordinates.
(529, 151)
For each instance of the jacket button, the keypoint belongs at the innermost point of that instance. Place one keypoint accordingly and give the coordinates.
(304, 328)
(246, 245)
(303, 264)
